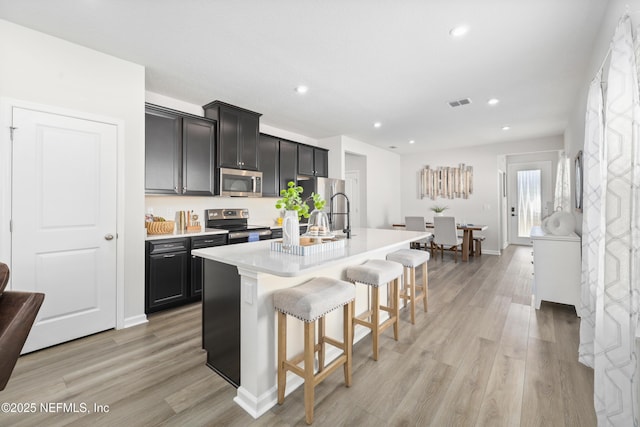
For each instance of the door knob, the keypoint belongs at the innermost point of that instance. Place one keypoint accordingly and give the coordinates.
(108, 237)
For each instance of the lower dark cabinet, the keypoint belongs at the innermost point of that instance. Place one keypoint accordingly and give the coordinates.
(167, 274)
(173, 276)
(197, 275)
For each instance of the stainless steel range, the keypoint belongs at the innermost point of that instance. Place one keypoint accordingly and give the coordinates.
(236, 222)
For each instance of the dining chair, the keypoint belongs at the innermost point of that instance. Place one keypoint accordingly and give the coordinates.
(445, 236)
(417, 223)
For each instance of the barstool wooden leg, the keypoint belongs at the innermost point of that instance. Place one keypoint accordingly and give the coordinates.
(412, 287)
(395, 304)
(309, 380)
(375, 319)
(282, 355)
(320, 344)
(347, 339)
(425, 286)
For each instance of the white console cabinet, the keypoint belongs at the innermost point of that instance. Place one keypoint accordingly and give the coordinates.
(556, 268)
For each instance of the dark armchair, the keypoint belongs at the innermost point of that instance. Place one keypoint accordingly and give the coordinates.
(18, 311)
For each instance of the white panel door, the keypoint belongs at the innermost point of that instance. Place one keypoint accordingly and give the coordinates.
(527, 201)
(64, 223)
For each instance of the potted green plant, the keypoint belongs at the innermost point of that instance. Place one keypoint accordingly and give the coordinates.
(295, 208)
(439, 209)
(291, 200)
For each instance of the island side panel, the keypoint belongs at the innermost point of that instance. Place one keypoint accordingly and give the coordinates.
(221, 319)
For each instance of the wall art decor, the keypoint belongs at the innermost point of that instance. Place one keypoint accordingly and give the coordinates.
(446, 182)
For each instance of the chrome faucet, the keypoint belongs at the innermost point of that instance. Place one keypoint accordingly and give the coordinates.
(347, 213)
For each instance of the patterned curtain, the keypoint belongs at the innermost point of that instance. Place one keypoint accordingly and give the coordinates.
(611, 236)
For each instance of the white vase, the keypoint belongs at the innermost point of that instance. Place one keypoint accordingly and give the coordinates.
(290, 230)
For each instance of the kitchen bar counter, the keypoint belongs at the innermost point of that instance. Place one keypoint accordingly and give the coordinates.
(261, 272)
(259, 258)
(189, 234)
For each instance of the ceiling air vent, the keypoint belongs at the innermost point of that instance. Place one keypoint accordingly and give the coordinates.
(459, 102)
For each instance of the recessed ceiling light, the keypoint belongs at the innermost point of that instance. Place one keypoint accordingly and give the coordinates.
(506, 127)
(412, 142)
(302, 89)
(493, 101)
(377, 124)
(459, 31)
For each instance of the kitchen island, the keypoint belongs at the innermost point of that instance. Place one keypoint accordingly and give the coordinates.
(262, 271)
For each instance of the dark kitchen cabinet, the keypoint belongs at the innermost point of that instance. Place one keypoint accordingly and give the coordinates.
(237, 135)
(198, 150)
(313, 161)
(278, 163)
(288, 163)
(179, 153)
(173, 276)
(163, 154)
(270, 165)
(167, 273)
(197, 277)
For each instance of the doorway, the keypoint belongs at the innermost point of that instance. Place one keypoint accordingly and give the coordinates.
(529, 196)
(356, 188)
(63, 215)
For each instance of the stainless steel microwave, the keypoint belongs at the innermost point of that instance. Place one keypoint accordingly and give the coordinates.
(239, 183)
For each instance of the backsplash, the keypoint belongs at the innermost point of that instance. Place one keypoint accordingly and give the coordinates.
(262, 211)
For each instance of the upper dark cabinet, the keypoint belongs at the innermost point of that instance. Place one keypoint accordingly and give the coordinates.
(237, 135)
(288, 163)
(270, 165)
(163, 152)
(198, 148)
(278, 164)
(179, 153)
(312, 161)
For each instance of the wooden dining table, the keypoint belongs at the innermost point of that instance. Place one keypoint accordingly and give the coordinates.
(467, 236)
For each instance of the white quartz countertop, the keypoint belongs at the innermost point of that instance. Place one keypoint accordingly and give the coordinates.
(539, 234)
(258, 257)
(190, 234)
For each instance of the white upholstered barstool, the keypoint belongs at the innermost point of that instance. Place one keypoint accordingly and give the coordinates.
(410, 260)
(309, 302)
(376, 273)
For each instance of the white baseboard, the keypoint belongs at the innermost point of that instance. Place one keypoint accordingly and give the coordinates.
(256, 406)
(135, 320)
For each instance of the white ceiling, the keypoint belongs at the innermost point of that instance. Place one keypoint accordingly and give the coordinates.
(363, 60)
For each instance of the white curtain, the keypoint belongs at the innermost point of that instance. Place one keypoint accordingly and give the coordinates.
(562, 194)
(611, 236)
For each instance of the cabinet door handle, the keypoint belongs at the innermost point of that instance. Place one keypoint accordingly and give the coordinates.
(108, 236)
(169, 256)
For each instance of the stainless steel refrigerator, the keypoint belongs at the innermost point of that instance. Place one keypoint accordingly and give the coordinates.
(327, 188)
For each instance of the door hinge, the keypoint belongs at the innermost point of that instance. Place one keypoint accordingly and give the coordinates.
(11, 129)
(10, 226)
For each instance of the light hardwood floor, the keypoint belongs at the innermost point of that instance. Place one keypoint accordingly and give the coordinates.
(481, 356)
